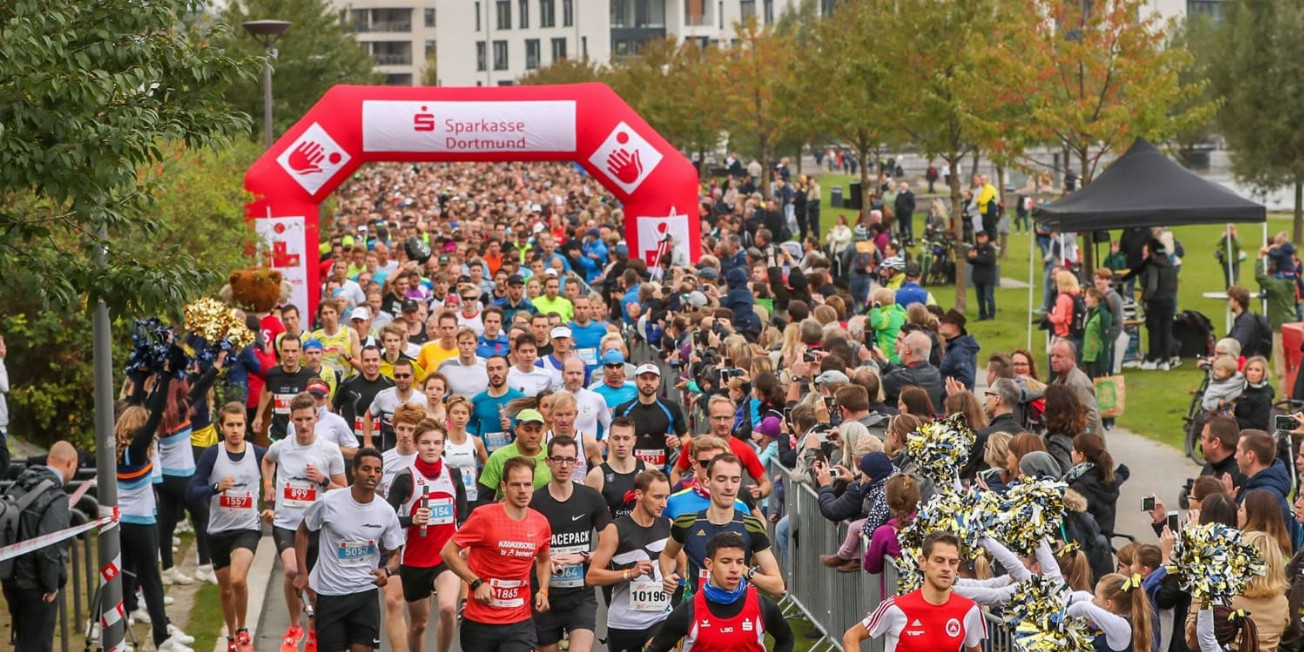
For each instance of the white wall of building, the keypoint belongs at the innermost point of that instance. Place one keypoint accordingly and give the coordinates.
(397, 33)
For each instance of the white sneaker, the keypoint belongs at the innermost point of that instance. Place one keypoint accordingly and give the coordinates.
(174, 645)
(1175, 362)
(1164, 366)
(1131, 364)
(1149, 365)
(175, 576)
(175, 632)
(204, 573)
(176, 541)
(185, 526)
(168, 600)
(140, 615)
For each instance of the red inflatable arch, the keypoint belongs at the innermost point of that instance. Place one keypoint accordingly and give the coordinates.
(354, 125)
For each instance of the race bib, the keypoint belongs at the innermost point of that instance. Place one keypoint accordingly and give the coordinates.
(298, 494)
(352, 554)
(281, 403)
(441, 511)
(589, 356)
(495, 440)
(508, 594)
(651, 456)
(468, 482)
(233, 500)
(569, 577)
(648, 596)
(357, 425)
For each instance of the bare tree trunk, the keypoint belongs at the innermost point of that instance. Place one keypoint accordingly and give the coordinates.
(1088, 238)
(1298, 232)
(957, 236)
(974, 169)
(863, 151)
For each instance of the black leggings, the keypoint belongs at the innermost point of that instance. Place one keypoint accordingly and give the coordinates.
(172, 505)
(140, 569)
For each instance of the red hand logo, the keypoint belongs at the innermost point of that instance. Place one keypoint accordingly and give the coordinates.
(626, 167)
(306, 157)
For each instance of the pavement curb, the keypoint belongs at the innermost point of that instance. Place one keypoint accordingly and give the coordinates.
(260, 575)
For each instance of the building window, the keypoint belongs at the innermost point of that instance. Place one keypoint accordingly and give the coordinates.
(768, 8)
(720, 13)
(695, 13)
(430, 48)
(504, 14)
(568, 13)
(477, 16)
(584, 47)
(558, 49)
(481, 58)
(532, 52)
(547, 13)
(525, 14)
(430, 17)
(747, 8)
(500, 55)
(640, 14)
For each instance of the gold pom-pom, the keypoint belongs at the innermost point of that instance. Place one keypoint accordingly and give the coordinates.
(210, 319)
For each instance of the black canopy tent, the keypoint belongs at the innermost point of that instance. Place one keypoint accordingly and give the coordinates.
(1144, 188)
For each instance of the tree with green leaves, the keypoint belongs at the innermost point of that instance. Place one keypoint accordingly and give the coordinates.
(1255, 64)
(752, 91)
(317, 53)
(1105, 76)
(91, 96)
(834, 56)
(941, 92)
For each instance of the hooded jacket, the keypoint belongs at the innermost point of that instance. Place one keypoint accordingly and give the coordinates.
(1102, 499)
(1080, 526)
(1275, 479)
(46, 569)
(740, 300)
(960, 360)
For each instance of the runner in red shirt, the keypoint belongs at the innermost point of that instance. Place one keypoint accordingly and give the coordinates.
(726, 614)
(928, 619)
(431, 502)
(720, 412)
(504, 540)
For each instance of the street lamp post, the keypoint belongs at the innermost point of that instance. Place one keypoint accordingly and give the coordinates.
(267, 32)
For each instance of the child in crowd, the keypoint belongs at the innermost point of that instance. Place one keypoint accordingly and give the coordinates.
(1226, 384)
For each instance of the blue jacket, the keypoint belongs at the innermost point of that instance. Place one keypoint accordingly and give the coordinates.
(597, 247)
(740, 301)
(1275, 479)
(911, 293)
(960, 360)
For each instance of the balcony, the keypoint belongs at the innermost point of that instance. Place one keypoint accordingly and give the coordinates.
(393, 59)
(388, 26)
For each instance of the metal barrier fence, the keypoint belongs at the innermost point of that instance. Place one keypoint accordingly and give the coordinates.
(832, 601)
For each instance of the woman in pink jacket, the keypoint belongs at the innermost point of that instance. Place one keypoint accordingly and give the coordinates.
(1061, 317)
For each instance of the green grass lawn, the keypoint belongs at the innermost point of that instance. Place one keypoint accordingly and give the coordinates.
(1156, 400)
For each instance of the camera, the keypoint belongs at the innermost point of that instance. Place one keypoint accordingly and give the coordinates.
(1184, 498)
(1284, 423)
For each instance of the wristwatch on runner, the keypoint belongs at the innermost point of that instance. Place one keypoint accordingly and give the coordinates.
(475, 583)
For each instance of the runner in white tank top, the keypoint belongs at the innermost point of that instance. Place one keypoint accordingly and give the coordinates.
(463, 452)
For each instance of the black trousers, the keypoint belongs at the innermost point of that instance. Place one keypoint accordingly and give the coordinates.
(172, 506)
(140, 569)
(1159, 325)
(33, 619)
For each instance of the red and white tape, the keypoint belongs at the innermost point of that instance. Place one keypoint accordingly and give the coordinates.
(44, 540)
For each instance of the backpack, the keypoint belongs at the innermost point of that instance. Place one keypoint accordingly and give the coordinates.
(12, 507)
(1078, 325)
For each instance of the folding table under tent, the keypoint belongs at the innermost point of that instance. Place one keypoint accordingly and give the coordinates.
(1143, 188)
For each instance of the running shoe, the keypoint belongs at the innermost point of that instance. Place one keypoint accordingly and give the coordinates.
(293, 637)
(311, 645)
(243, 641)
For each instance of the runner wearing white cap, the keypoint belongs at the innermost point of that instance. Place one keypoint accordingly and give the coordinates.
(659, 423)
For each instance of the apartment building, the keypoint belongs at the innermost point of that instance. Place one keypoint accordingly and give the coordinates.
(495, 42)
(399, 34)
